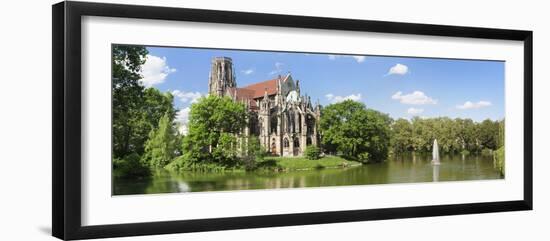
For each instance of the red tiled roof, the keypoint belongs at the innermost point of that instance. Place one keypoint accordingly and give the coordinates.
(259, 88)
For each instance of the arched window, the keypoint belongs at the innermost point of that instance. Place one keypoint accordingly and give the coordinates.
(296, 142)
(274, 123)
(285, 143)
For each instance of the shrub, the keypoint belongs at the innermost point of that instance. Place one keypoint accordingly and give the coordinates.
(486, 152)
(498, 160)
(130, 166)
(188, 162)
(313, 153)
(363, 157)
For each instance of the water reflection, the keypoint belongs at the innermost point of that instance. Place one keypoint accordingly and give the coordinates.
(400, 169)
(436, 173)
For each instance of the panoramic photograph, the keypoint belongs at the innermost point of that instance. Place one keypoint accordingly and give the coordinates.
(201, 120)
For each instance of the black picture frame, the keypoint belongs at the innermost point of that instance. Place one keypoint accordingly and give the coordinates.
(66, 122)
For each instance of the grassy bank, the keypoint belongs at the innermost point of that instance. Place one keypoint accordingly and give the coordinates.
(301, 163)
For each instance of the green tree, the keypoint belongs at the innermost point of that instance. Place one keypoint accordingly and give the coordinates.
(466, 134)
(155, 105)
(213, 125)
(136, 110)
(356, 131)
(402, 136)
(488, 134)
(127, 96)
(252, 152)
(161, 147)
(130, 166)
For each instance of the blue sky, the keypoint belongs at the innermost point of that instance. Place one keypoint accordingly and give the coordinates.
(403, 87)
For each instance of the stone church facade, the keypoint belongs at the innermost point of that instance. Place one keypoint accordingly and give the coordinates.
(284, 120)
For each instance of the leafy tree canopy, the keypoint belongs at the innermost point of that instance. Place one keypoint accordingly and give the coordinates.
(355, 131)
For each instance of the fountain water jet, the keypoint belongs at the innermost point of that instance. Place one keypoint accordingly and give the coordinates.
(435, 153)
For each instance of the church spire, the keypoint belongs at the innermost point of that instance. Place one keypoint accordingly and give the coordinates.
(221, 76)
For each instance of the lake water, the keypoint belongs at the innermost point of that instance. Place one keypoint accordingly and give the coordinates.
(402, 169)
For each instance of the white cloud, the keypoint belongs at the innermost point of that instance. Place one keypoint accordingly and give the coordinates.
(247, 71)
(357, 58)
(183, 119)
(414, 111)
(335, 98)
(399, 69)
(278, 68)
(414, 98)
(471, 105)
(186, 96)
(155, 70)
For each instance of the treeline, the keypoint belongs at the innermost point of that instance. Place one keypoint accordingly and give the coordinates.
(453, 135)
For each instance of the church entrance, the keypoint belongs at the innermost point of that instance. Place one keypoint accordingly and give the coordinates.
(273, 148)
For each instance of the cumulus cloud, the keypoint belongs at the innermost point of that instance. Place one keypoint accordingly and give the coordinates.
(399, 69)
(186, 96)
(471, 105)
(414, 111)
(155, 70)
(247, 71)
(336, 98)
(414, 98)
(183, 119)
(358, 58)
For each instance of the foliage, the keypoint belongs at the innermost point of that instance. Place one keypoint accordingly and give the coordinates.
(302, 163)
(498, 160)
(252, 152)
(214, 123)
(130, 166)
(312, 152)
(136, 110)
(486, 152)
(127, 95)
(161, 146)
(453, 135)
(402, 136)
(225, 151)
(186, 162)
(353, 130)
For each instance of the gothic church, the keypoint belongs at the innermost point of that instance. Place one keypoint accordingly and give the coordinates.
(284, 120)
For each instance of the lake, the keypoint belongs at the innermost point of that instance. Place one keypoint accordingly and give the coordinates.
(402, 169)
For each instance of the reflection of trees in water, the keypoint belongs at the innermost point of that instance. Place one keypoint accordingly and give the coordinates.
(162, 185)
(127, 186)
(397, 170)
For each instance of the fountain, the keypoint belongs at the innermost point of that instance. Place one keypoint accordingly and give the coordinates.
(435, 154)
(435, 161)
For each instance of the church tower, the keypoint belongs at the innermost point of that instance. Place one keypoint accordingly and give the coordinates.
(222, 76)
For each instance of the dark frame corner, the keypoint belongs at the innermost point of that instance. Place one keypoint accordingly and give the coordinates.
(66, 86)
